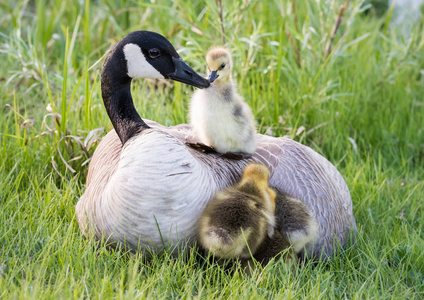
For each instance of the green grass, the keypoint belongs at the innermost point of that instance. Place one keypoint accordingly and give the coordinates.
(369, 90)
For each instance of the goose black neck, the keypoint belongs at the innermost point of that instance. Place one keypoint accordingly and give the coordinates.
(116, 93)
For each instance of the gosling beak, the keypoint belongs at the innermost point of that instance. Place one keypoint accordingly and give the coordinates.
(185, 74)
(213, 76)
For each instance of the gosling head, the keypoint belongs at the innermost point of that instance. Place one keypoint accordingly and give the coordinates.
(255, 180)
(146, 54)
(219, 64)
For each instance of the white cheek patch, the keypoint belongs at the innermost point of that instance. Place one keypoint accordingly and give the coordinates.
(138, 67)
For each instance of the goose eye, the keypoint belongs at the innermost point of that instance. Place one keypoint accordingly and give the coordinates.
(153, 53)
(222, 66)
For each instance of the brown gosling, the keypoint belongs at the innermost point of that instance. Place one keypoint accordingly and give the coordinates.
(240, 221)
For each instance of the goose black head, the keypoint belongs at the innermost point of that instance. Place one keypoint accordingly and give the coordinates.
(148, 54)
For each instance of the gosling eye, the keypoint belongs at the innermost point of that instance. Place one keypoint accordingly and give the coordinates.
(222, 66)
(154, 53)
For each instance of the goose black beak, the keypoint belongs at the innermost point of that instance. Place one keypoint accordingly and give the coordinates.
(213, 76)
(185, 74)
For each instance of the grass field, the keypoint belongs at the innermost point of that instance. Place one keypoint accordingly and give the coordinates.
(355, 95)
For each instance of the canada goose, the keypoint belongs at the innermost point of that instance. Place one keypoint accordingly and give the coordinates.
(143, 177)
(219, 116)
(240, 221)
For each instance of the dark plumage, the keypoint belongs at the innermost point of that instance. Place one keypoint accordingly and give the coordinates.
(295, 221)
(232, 219)
(240, 221)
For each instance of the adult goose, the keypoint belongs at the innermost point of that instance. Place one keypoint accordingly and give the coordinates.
(147, 188)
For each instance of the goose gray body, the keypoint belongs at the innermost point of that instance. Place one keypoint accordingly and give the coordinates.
(136, 212)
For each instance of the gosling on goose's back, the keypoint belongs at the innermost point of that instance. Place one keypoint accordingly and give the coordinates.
(143, 176)
(219, 116)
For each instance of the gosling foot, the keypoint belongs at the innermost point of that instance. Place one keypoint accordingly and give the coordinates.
(201, 147)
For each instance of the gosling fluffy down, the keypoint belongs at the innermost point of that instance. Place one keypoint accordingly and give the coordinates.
(239, 214)
(297, 223)
(219, 116)
(242, 218)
